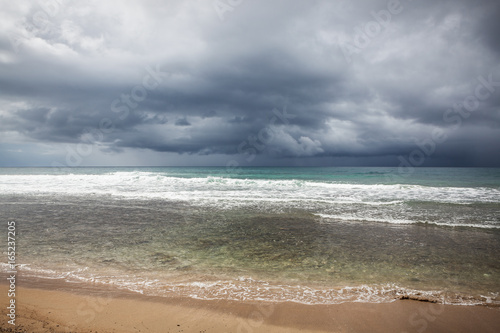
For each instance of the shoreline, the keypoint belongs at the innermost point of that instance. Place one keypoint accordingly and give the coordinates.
(259, 291)
(58, 307)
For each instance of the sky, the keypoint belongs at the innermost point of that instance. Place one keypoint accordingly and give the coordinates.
(250, 83)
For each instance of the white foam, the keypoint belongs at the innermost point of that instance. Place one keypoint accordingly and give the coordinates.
(249, 289)
(368, 219)
(328, 198)
(467, 225)
(389, 220)
(154, 185)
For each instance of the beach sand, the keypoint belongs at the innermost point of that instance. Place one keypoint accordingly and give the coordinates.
(55, 309)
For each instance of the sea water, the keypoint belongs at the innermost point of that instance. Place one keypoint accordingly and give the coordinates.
(309, 235)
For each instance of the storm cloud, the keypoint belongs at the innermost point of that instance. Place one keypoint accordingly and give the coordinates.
(258, 82)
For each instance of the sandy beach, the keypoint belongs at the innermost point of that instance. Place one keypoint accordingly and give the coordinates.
(51, 310)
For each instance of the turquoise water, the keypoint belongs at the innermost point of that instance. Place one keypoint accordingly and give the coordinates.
(311, 235)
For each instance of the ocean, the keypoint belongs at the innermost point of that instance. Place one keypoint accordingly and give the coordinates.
(309, 235)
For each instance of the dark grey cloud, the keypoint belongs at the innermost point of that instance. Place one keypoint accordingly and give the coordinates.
(271, 83)
(182, 122)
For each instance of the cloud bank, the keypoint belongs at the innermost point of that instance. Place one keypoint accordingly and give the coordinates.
(258, 82)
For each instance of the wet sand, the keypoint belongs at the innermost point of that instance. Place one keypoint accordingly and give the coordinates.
(87, 310)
